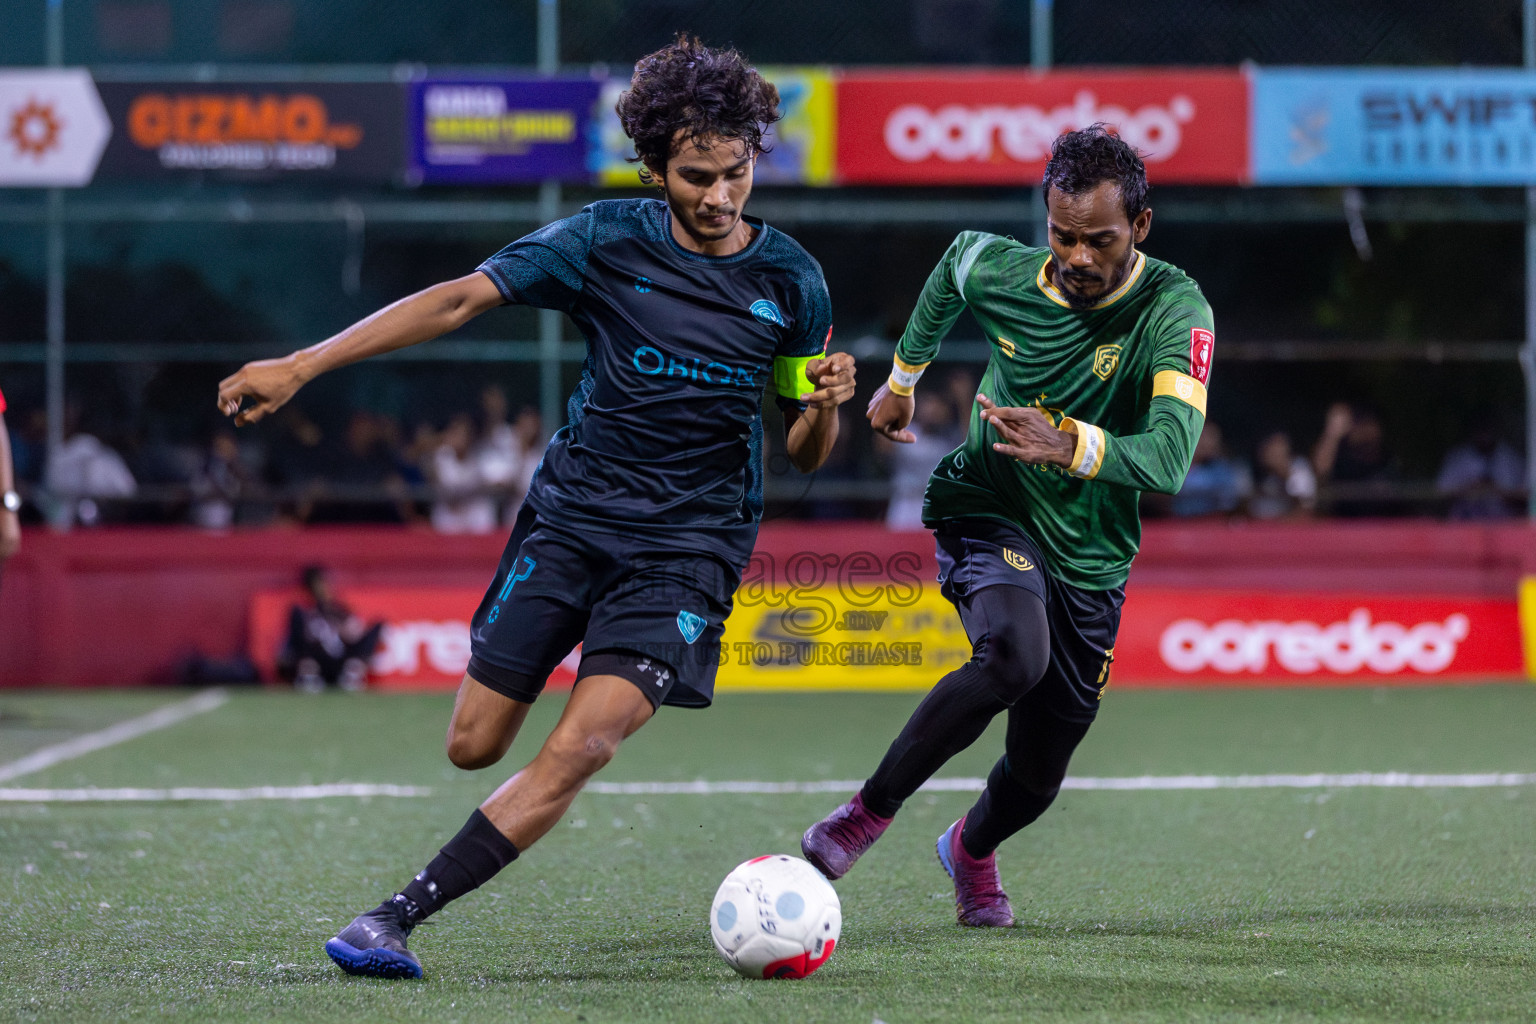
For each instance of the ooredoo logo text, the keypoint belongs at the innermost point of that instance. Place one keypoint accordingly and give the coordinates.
(1355, 644)
(1024, 133)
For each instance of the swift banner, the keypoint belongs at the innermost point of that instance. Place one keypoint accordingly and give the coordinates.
(972, 128)
(254, 130)
(501, 130)
(801, 141)
(1431, 126)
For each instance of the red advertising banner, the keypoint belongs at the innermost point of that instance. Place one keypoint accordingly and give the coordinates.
(425, 641)
(996, 128)
(1167, 638)
(1194, 637)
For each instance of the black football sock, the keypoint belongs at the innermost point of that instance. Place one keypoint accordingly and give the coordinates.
(1023, 782)
(953, 715)
(466, 862)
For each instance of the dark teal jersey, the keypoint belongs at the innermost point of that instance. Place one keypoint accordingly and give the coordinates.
(664, 430)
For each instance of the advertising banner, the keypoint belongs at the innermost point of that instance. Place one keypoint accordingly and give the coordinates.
(501, 130)
(254, 130)
(1192, 637)
(52, 127)
(1421, 126)
(974, 128)
(801, 141)
(870, 633)
(872, 636)
(425, 641)
(1528, 624)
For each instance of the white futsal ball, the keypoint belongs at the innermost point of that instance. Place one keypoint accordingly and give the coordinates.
(775, 917)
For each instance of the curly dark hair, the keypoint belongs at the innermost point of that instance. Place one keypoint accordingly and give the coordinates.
(688, 87)
(1083, 160)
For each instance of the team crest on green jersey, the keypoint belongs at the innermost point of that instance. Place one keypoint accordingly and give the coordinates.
(1105, 359)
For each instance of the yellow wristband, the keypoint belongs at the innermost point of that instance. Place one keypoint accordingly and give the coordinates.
(904, 376)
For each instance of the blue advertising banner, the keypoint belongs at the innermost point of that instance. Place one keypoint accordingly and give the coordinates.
(488, 131)
(1393, 126)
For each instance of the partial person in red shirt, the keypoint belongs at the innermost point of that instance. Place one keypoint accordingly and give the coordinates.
(10, 501)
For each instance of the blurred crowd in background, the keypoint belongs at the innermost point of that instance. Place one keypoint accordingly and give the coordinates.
(467, 472)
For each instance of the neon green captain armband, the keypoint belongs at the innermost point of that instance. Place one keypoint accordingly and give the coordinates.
(904, 376)
(789, 377)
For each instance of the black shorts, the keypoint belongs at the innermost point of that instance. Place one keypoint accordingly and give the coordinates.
(978, 553)
(650, 608)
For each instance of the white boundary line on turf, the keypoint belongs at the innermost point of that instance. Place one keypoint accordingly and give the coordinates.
(1356, 780)
(320, 792)
(131, 728)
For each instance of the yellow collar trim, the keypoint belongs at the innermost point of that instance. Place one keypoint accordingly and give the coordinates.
(1054, 294)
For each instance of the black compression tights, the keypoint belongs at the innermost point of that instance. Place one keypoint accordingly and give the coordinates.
(1009, 653)
(1009, 657)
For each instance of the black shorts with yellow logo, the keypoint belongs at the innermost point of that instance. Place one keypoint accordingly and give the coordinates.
(978, 553)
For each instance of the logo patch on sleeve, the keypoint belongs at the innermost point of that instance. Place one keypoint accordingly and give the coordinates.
(766, 311)
(1201, 342)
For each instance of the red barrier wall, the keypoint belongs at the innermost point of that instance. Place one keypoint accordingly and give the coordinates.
(129, 605)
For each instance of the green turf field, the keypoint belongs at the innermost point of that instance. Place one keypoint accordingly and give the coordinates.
(1265, 904)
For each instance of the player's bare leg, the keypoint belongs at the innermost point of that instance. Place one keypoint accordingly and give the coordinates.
(603, 710)
(483, 725)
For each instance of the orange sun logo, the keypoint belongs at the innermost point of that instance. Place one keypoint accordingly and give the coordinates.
(35, 129)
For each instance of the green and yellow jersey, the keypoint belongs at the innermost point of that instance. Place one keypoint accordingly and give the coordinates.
(1126, 376)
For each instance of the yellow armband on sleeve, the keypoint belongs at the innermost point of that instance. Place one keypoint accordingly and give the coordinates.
(904, 376)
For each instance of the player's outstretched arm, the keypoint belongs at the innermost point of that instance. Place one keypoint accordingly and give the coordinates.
(810, 435)
(268, 384)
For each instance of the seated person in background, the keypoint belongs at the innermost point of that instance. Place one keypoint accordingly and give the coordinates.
(1352, 452)
(1484, 475)
(464, 481)
(360, 482)
(326, 643)
(83, 472)
(1216, 484)
(221, 482)
(1285, 488)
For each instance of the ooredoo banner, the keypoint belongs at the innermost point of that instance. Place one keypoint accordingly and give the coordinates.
(254, 130)
(1394, 126)
(502, 130)
(1185, 637)
(971, 128)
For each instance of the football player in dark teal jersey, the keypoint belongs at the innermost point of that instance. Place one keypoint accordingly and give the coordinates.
(641, 517)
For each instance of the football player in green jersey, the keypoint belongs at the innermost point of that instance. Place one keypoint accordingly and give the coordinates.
(1095, 392)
